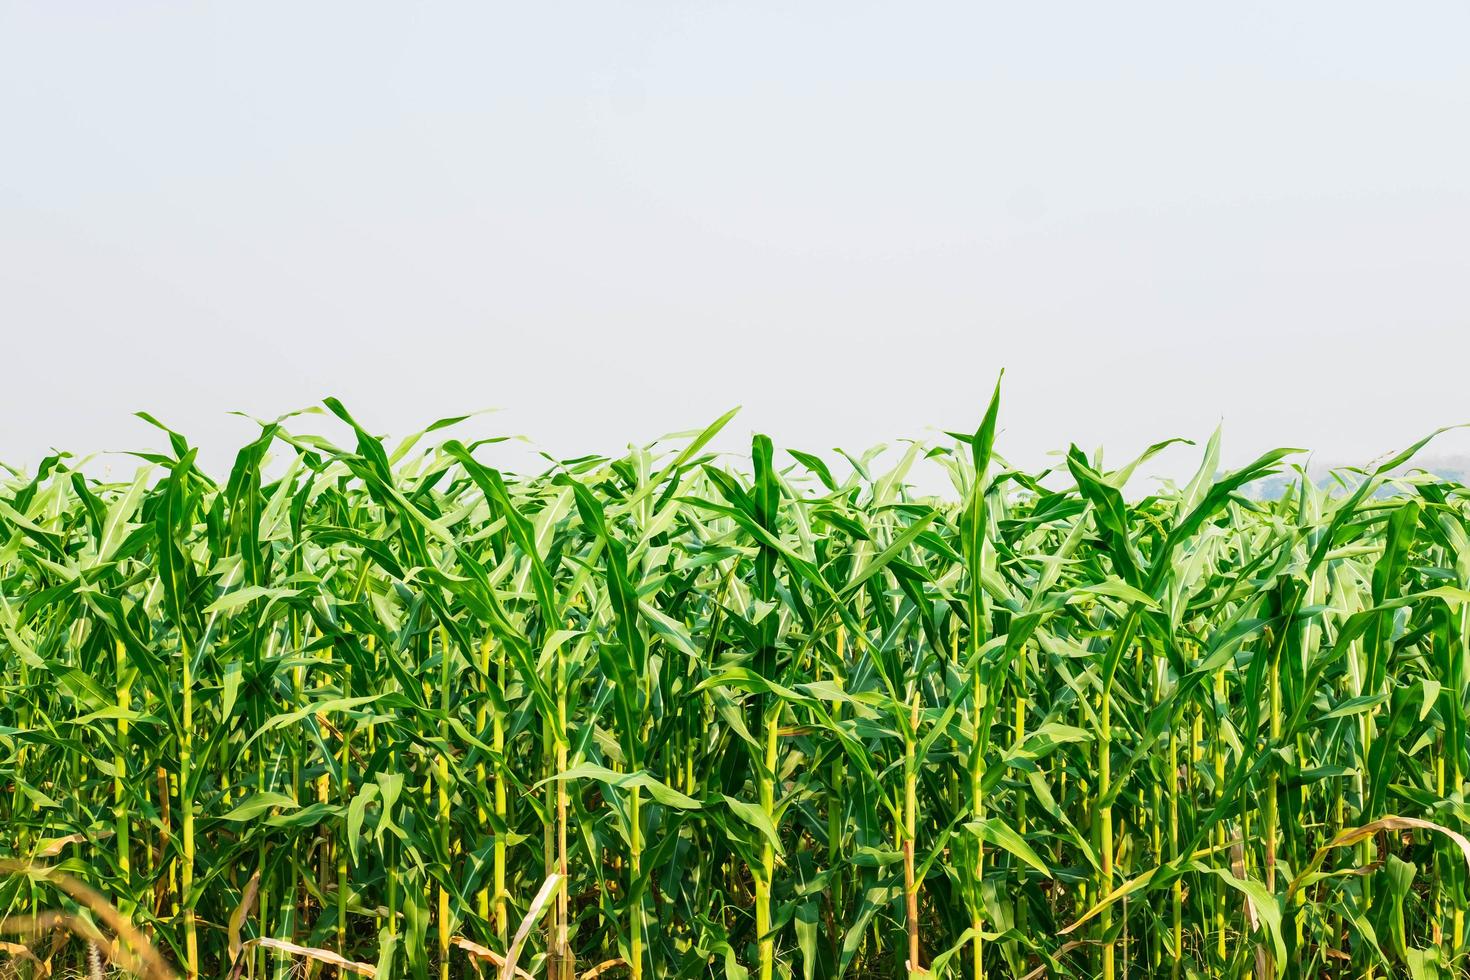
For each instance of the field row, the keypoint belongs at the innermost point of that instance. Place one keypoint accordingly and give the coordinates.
(394, 712)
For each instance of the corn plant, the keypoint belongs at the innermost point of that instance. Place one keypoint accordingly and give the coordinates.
(388, 709)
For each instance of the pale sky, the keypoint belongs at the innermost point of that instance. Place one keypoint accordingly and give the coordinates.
(614, 220)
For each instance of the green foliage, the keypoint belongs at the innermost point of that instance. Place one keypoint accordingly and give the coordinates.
(780, 717)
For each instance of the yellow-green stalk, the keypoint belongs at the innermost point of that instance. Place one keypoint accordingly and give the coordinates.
(635, 864)
(767, 943)
(1105, 828)
(910, 830)
(562, 962)
(1273, 780)
(502, 918)
(344, 796)
(1018, 739)
(1176, 890)
(442, 768)
(977, 807)
(120, 775)
(482, 718)
(1217, 747)
(835, 801)
(186, 814)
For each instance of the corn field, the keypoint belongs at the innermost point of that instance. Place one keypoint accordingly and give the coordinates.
(390, 711)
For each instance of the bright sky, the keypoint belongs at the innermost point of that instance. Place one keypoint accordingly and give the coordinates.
(614, 220)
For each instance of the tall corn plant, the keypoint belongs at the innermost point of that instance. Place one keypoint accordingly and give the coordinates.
(389, 706)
